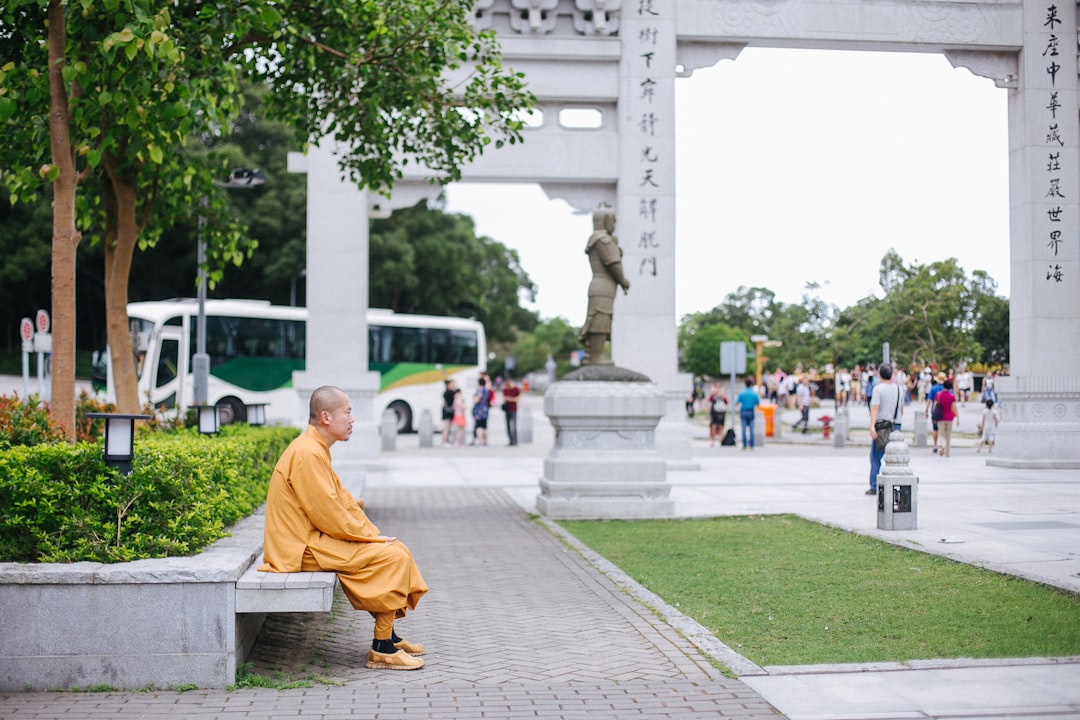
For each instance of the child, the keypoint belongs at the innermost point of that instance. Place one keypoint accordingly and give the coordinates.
(989, 427)
(459, 418)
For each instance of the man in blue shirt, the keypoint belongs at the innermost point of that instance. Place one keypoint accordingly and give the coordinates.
(747, 400)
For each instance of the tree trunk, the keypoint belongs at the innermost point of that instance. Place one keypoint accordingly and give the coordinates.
(65, 235)
(121, 235)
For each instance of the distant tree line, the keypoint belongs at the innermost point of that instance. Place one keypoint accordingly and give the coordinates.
(929, 313)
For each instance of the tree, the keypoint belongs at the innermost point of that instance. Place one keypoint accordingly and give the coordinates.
(992, 330)
(113, 89)
(701, 353)
(554, 338)
(427, 261)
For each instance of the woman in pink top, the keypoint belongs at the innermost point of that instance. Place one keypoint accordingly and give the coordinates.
(947, 401)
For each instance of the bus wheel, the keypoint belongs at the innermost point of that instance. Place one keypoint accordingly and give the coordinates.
(404, 415)
(231, 410)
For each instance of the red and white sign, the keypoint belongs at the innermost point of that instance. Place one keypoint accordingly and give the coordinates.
(26, 330)
(41, 320)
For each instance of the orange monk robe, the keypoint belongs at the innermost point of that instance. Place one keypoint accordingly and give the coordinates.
(309, 513)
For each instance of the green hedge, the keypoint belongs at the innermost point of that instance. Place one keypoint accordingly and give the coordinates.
(60, 503)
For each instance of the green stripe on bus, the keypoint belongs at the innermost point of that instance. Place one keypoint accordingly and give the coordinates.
(258, 374)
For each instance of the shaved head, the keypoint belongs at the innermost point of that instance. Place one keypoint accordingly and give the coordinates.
(325, 399)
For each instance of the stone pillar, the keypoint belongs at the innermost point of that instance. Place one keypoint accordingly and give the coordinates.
(644, 331)
(1040, 399)
(921, 430)
(336, 347)
(426, 428)
(841, 425)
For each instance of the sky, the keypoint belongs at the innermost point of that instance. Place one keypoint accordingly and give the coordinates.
(797, 166)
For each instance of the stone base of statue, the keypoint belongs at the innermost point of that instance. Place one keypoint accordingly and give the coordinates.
(604, 463)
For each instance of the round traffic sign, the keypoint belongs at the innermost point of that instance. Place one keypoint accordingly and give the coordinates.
(42, 321)
(26, 330)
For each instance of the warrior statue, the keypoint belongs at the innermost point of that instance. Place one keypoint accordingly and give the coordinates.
(605, 258)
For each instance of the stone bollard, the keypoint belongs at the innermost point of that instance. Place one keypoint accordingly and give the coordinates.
(921, 430)
(524, 425)
(840, 428)
(388, 430)
(426, 429)
(898, 488)
(759, 429)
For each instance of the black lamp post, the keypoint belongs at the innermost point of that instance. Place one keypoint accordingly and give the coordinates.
(240, 178)
(119, 439)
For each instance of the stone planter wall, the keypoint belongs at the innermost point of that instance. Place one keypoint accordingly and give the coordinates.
(149, 623)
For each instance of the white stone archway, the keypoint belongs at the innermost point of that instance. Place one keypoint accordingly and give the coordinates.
(622, 57)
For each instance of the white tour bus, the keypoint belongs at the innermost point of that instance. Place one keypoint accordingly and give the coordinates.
(255, 347)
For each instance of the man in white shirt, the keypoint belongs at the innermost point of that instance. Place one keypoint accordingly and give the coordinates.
(885, 404)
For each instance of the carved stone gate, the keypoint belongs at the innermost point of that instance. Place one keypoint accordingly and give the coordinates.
(621, 60)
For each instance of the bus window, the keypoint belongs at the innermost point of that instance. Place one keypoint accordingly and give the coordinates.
(463, 347)
(168, 360)
(140, 331)
(407, 345)
(377, 347)
(441, 351)
(293, 338)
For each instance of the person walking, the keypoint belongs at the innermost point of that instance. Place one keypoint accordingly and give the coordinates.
(988, 392)
(747, 401)
(931, 410)
(459, 418)
(510, 393)
(885, 404)
(448, 411)
(802, 394)
(990, 420)
(843, 387)
(718, 407)
(949, 415)
(313, 523)
(480, 411)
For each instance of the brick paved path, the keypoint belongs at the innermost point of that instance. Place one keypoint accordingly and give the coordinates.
(516, 625)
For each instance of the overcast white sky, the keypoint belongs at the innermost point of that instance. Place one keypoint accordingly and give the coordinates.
(796, 166)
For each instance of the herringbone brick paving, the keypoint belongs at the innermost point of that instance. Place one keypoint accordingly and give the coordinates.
(514, 610)
(517, 625)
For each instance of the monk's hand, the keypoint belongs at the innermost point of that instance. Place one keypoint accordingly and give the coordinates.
(388, 539)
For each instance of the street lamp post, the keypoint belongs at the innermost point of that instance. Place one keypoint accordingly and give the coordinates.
(240, 178)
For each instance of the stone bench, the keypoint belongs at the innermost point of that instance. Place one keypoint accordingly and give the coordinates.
(273, 592)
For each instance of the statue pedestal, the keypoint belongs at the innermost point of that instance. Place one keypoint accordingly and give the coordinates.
(604, 463)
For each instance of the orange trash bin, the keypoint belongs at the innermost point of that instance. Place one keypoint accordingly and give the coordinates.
(769, 411)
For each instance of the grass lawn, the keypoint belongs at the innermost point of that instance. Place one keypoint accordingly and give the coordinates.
(781, 590)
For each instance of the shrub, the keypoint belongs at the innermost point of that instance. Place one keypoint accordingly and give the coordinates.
(60, 503)
(26, 423)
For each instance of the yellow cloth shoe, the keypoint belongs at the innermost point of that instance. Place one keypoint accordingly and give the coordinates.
(414, 649)
(400, 660)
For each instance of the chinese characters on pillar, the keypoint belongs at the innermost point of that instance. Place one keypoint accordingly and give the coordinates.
(648, 187)
(1056, 195)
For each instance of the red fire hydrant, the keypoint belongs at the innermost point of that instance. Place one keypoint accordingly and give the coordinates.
(825, 427)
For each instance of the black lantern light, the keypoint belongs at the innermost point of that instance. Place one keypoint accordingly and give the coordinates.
(209, 419)
(119, 438)
(256, 414)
